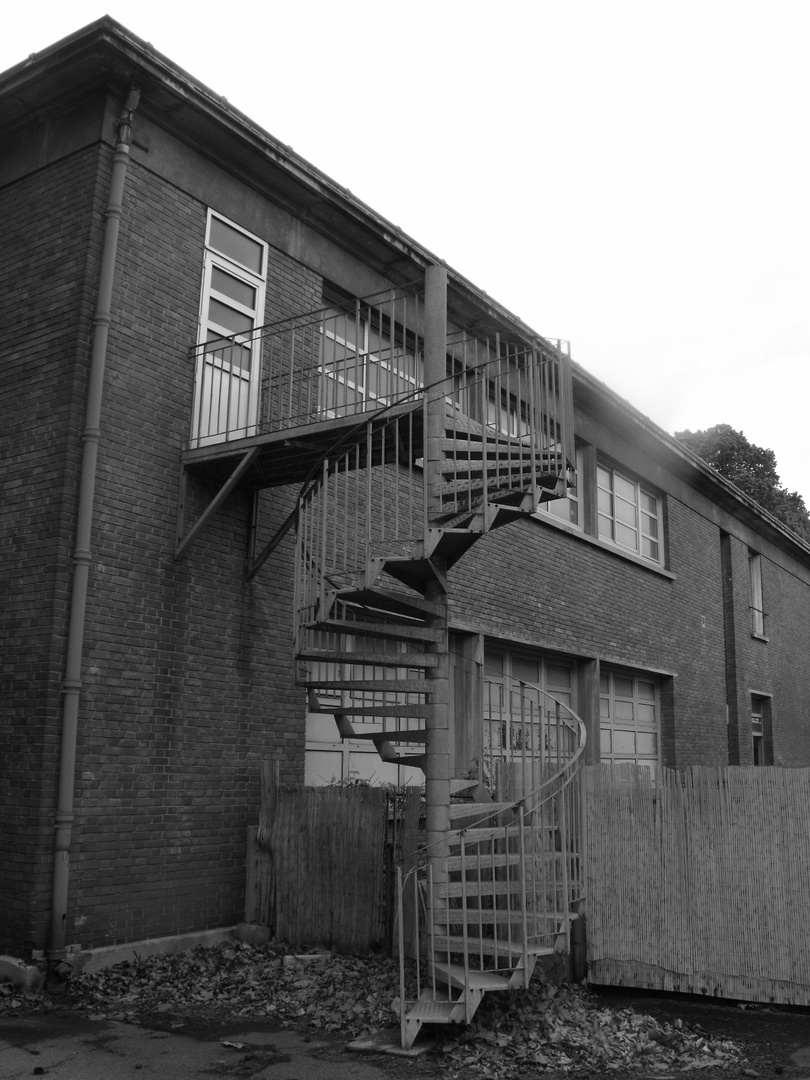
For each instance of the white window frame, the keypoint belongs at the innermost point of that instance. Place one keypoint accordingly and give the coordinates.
(569, 507)
(222, 386)
(354, 360)
(647, 526)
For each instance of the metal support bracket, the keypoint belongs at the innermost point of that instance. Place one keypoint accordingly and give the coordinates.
(183, 542)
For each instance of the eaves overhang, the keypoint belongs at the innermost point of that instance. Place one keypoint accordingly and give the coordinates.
(107, 56)
(596, 398)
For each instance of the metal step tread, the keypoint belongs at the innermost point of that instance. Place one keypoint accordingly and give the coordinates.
(454, 975)
(481, 811)
(380, 600)
(381, 686)
(371, 659)
(437, 1012)
(513, 951)
(419, 710)
(388, 629)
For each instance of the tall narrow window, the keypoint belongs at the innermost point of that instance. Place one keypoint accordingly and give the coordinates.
(761, 730)
(755, 574)
(226, 389)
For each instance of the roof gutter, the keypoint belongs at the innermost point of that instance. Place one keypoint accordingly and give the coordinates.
(56, 951)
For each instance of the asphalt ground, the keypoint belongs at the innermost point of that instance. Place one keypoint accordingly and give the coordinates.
(69, 1045)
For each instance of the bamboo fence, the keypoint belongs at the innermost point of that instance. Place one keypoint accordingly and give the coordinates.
(320, 878)
(699, 881)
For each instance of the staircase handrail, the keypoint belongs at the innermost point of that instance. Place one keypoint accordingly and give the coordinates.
(532, 801)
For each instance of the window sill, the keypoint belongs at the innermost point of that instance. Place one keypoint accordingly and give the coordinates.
(603, 545)
(760, 637)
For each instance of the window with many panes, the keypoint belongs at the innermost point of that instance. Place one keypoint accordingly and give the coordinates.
(630, 514)
(367, 359)
(231, 309)
(629, 719)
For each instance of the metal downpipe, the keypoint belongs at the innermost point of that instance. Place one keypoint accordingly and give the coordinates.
(56, 950)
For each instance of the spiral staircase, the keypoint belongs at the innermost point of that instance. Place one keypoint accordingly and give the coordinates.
(417, 440)
(394, 506)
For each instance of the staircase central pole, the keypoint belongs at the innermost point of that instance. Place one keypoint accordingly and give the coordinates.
(437, 750)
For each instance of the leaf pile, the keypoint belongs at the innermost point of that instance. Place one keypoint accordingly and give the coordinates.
(565, 1029)
(334, 993)
(544, 1029)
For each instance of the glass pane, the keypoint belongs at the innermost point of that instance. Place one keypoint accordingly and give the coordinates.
(622, 687)
(233, 288)
(625, 512)
(626, 536)
(228, 318)
(647, 743)
(623, 710)
(604, 683)
(649, 503)
(605, 527)
(236, 245)
(646, 715)
(227, 353)
(603, 477)
(649, 525)
(493, 661)
(650, 549)
(624, 742)
(604, 708)
(646, 690)
(558, 675)
(605, 501)
(525, 669)
(605, 741)
(624, 488)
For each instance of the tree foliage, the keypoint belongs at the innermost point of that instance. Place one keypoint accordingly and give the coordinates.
(752, 469)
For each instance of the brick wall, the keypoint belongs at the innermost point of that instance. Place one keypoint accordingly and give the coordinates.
(187, 667)
(48, 267)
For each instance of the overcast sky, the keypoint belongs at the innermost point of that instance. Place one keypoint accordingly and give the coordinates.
(631, 176)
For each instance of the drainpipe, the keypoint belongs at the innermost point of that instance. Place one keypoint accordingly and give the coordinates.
(56, 951)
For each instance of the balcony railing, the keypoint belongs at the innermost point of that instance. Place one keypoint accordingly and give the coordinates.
(357, 357)
(342, 360)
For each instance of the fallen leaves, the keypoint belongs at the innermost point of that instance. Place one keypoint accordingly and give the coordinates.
(567, 1030)
(544, 1029)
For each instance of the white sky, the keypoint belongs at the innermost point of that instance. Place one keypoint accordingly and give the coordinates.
(632, 176)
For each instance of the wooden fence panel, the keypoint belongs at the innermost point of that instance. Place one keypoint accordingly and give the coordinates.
(321, 874)
(698, 881)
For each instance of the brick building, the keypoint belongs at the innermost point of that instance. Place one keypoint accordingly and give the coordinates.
(149, 231)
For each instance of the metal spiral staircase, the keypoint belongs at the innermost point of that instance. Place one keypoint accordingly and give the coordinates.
(393, 507)
(414, 440)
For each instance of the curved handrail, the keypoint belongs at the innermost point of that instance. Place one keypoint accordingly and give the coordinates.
(533, 800)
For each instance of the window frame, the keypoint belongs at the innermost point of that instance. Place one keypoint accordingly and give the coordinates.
(755, 595)
(640, 490)
(220, 349)
(610, 723)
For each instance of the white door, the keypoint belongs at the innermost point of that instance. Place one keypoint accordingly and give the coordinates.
(228, 360)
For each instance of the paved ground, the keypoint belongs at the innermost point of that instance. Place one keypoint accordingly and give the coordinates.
(70, 1046)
